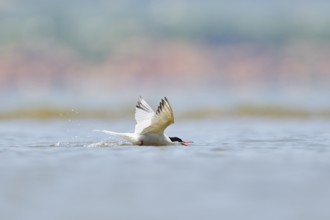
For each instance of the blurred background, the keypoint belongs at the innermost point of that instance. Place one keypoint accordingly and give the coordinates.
(242, 77)
(248, 57)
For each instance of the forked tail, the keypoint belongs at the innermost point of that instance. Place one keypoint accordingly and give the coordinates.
(127, 136)
(108, 132)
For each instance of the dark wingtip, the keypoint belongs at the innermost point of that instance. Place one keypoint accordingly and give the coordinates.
(161, 105)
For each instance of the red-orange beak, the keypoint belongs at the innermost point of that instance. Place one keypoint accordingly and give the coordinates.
(186, 143)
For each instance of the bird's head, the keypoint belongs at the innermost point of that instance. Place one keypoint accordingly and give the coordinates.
(179, 140)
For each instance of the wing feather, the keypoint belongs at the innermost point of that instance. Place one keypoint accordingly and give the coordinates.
(143, 111)
(151, 122)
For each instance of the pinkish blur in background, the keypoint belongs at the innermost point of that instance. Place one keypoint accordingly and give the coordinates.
(212, 53)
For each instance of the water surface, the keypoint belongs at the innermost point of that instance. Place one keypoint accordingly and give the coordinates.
(237, 168)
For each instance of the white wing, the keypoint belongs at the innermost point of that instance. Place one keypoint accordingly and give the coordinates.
(150, 122)
(143, 111)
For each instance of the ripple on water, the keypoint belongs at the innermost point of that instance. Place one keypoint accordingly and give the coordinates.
(273, 170)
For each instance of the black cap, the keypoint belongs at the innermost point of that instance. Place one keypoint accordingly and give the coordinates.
(176, 139)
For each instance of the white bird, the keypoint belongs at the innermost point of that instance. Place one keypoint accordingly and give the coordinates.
(150, 125)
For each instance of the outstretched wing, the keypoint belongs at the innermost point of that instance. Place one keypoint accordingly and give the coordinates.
(152, 122)
(143, 115)
(143, 111)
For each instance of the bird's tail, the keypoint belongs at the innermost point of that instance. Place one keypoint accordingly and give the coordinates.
(108, 132)
(127, 136)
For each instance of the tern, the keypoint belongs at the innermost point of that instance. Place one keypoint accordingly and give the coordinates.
(150, 125)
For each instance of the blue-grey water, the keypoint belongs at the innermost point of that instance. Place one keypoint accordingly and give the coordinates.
(236, 169)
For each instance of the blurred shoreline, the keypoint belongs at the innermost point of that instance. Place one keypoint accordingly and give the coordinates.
(201, 54)
(246, 73)
(196, 114)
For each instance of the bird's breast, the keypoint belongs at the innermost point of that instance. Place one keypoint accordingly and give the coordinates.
(154, 140)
